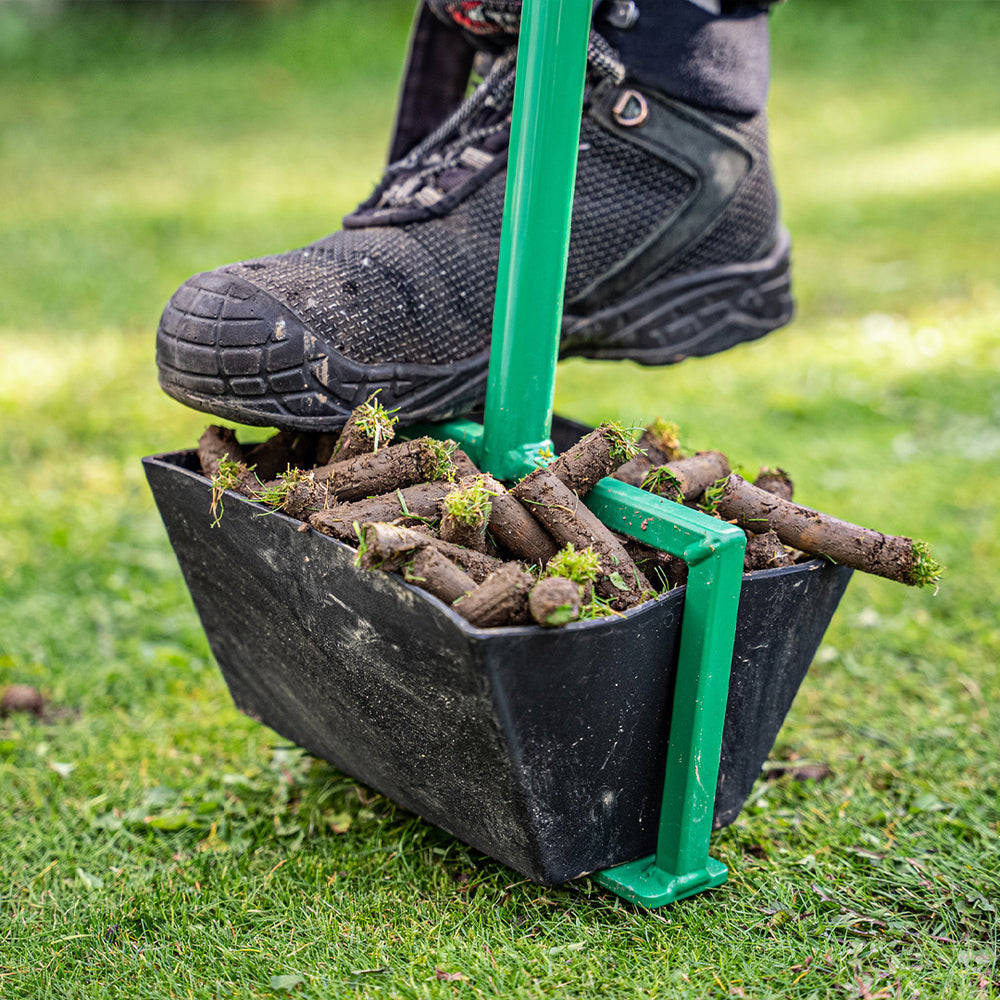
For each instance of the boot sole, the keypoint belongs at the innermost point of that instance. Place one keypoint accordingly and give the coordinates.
(397, 394)
(689, 316)
(416, 395)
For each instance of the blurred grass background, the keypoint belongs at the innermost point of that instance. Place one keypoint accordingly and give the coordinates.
(155, 843)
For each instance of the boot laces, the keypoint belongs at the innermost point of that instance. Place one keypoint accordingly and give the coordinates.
(462, 143)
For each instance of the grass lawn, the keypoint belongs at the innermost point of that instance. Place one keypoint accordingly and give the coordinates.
(154, 843)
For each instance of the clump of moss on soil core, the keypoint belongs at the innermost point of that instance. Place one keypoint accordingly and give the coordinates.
(926, 570)
(470, 504)
(581, 566)
(665, 437)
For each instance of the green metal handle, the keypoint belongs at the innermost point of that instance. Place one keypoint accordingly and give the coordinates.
(514, 439)
(534, 242)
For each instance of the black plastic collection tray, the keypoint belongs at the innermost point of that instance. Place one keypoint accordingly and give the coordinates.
(543, 748)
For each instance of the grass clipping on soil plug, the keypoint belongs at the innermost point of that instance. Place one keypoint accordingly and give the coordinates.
(229, 475)
(368, 428)
(465, 512)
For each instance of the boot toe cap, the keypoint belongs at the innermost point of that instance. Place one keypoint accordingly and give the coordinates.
(226, 346)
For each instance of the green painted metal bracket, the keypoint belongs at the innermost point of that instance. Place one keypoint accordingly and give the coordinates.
(713, 551)
(512, 463)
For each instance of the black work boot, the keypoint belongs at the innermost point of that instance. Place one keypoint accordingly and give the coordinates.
(675, 250)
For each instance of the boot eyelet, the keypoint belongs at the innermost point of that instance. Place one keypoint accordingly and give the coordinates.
(631, 109)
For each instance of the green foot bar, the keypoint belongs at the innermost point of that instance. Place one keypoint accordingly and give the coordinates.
(644, 882)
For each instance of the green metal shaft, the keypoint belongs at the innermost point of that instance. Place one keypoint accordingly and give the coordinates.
(518, 420)
(545, 136)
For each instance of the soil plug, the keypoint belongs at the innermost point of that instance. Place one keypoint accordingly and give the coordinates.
(569, 521)
(687, 479)
(298, 496)
(501, 599)
(658, 444)
(478, 565)
(369, 427)
(281, 451)
(438, 575)
(555, 601)
(515, 529)
(593, 457)
(775, 481)
(217, 443)
(890, 556)
(421, 460)
(418, 502)
(465, 512)
(464, 466)
(389, 546)
(397, 466)
(296, 493)
(764, 551)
